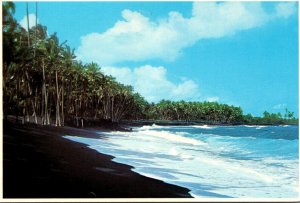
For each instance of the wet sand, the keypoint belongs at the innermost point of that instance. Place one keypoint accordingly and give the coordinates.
(39, 163)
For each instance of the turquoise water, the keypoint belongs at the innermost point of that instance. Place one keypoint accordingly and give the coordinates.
(212, 161)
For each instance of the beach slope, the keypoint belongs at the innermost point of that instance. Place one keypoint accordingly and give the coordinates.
(39, 163)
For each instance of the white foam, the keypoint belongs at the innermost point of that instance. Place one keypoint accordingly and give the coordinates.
(172, 137)
(115, 133)
(237, 169)
(175, 158)
(203, 126)
(148, 127)
(173, 152)
(149, 175)
(260, 126)
(250, 126)
(196, 196)
(255, 126)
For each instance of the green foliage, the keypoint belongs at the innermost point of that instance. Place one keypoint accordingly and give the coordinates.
(212, 112)
(270, 119)
(41, 78)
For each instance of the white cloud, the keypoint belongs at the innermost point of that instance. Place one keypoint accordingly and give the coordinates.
(152, 83)
(279, 106)
(285, 9)
(137, 38)
(32, 19)
(213, 99)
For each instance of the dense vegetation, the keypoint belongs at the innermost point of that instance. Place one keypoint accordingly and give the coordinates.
(42, 79)
(213, 113)
(43, 83)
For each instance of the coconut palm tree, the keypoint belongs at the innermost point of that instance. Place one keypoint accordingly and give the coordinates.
(55, 59)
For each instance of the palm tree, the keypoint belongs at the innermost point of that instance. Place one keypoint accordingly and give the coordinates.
(68, 57)
(41, 57)
(27, 15)
(54, 58)
(8, 28)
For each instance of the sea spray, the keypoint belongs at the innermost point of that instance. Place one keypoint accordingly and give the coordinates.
(222, 161)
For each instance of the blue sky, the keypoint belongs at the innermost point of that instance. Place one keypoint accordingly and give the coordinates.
(244, 54)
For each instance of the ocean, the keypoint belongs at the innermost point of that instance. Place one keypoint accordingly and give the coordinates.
(211, 161)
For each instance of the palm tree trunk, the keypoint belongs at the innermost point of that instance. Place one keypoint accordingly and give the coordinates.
(46, 116)
(34, 112)
(26, 112)
(5, 100)
(112, 109)
(44, 110)
(35, 106)
(57, 120)
(178, 118)
(121, 114)
(17, 95)
(36, 17)
(43, 106)
(62, 105)
(76, 113)
(27, 14)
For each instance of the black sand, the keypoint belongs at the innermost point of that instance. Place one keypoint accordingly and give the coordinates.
(39, 163)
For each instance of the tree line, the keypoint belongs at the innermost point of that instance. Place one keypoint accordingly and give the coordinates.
(272, 119)
(195, 111)
(42, 80)
(212, 113)
(44, 83)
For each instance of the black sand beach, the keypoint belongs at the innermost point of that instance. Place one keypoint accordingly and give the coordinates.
(39, 163)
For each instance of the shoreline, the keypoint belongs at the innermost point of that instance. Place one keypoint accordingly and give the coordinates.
(39, 163)
(139, 123)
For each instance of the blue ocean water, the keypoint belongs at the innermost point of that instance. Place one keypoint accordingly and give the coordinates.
(212, 161)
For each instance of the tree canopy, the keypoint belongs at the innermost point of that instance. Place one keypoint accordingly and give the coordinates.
(44, 83)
